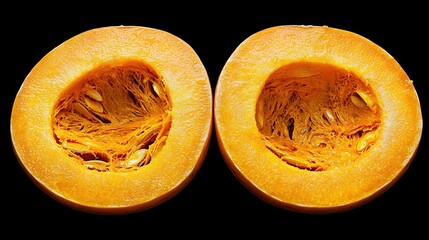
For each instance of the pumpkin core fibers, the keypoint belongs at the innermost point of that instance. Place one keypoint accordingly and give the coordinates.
(315, 119)
(115, 120)
(316, 116)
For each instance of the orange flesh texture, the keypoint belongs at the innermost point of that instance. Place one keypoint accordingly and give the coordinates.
(309, 74)
(45, 116)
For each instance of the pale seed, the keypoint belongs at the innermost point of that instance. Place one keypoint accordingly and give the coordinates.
(136, 159)
(94, 105)
(329, 116)
(366, 98)
(302, 164)
(363, 100)
(358, 101)
(275, 149)
(156, 89)
(75, 147)
(365, 141)
(96, 165)
(94, 94)
(147, 135)
(83, 110)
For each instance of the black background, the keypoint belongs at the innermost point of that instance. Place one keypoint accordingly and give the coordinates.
(214, 204)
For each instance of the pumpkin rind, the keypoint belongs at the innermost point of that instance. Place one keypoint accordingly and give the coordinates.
(336, 189)
(69, 182)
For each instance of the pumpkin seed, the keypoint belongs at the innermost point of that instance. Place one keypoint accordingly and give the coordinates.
(82, 110)
(329, 116)
(136, 159)
(94, 94)
(75, 147)
(303, 164)
(362, 99)
(94, 105)
(156, 89)
(358, 101)
(96, 165)
(365, 141)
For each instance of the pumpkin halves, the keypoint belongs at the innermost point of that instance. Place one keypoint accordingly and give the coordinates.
(114, 120)
(315, 119)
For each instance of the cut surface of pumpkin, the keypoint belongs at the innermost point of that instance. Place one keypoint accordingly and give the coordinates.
(115, 120)
(315, 119)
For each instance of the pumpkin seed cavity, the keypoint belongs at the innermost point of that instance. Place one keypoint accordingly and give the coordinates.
(116, 118)
(317, 116)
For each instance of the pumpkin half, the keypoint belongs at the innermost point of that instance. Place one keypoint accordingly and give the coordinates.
(315, 119)
(114, 120)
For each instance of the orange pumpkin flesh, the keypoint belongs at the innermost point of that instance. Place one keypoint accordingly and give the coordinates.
(114, 120)
(315, 119)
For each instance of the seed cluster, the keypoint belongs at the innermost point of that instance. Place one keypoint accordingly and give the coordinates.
(116, 119)
(317, 117)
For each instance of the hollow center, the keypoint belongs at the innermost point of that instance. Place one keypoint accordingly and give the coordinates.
(116, 118)
(317, 116)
